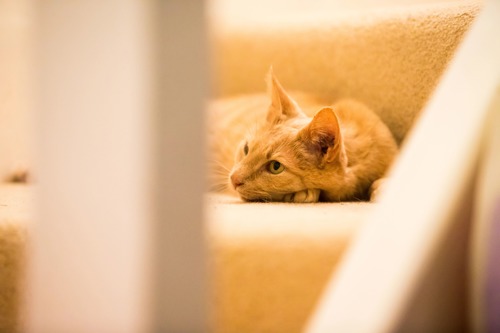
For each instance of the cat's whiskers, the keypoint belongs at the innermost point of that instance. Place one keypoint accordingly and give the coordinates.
(219, 164)
(218, 172)
(219, 187)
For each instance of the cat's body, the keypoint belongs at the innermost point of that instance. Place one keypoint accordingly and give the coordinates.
(335, 156)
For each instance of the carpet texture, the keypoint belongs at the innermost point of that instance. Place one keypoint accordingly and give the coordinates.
(16, 207)
(391, 59)
(270, 262)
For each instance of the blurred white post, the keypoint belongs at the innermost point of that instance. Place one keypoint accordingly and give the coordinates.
(181, 305)
(118, 245)
(90, 264)
(484, 263)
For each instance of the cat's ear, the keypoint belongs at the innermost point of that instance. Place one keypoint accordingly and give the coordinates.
(282, 105)
(323, 136)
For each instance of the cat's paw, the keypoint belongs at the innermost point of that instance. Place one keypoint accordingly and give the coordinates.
(377, 188)
(305, 196)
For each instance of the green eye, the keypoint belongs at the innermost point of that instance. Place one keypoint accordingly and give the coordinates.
(245, 149)
(275, 167)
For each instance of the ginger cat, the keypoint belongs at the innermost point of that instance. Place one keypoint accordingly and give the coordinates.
(338, 155)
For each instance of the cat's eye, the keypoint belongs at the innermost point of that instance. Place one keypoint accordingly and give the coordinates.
(275, 167)
(245, 149)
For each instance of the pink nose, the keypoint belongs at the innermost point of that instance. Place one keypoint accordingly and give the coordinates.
(236, 181)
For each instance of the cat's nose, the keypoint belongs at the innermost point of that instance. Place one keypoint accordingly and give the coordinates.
(236, 181)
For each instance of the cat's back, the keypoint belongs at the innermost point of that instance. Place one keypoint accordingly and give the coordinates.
(369, 143)
(351, 111)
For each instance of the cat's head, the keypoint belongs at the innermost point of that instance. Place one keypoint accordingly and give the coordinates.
(290, 152)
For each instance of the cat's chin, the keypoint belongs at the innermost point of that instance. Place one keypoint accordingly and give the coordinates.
(250, 198)
(261, 197)
(254, 199)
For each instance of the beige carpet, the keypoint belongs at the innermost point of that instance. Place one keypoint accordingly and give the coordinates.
(16, 207)
(270, 262)
(389, 58)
